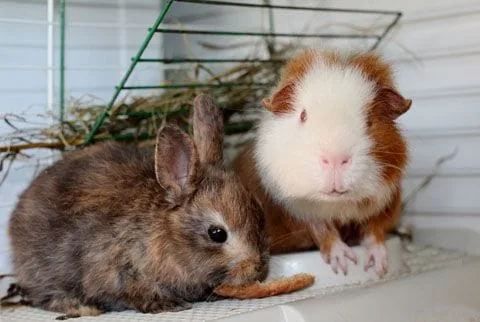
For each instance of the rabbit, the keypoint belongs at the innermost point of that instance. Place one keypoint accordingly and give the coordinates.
(115, 227)
(328, 157)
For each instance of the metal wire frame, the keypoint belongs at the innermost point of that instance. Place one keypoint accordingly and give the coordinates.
(262, 34)
(62, 62)
(155, 29)
(118, 89)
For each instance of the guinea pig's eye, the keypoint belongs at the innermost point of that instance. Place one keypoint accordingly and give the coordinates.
(303, 116)
(217, 234)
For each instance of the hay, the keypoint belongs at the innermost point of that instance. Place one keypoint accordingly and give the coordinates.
(139, 117)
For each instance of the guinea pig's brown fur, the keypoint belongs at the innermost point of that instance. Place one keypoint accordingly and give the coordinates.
(115, 226)
(295, 222)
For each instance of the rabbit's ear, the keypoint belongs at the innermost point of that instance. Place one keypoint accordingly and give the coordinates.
(176, 163)
(208, 130)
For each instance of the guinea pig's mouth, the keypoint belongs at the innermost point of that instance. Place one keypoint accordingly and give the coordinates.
(335, 195)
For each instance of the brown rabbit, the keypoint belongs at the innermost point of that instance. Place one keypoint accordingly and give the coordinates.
(117, 227)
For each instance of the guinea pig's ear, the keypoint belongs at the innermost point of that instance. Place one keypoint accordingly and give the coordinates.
(176, 163)
(208, 130)
(281, 101)
(392, 103)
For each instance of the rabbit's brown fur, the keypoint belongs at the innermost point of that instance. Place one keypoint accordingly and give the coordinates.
(115, 227)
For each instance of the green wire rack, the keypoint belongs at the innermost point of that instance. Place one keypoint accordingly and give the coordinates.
(138, 58)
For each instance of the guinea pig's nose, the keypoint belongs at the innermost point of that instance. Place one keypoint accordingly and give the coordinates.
(336, 161)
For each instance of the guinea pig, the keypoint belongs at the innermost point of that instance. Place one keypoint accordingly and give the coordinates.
(328, 158)
(116, 226)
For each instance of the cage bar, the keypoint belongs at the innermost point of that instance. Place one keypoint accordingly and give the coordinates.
(207, 61)
(62, 62)
(139, 54)
(387, 30)
(262, 34)
(269, 6)
(197, 85)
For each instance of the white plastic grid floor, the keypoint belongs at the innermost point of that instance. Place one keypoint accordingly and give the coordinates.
(418, 260)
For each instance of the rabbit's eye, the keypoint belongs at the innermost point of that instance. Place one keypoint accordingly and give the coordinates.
(217, 234)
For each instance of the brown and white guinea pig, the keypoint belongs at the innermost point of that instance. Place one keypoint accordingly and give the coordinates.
(328, 158)
(116, 227)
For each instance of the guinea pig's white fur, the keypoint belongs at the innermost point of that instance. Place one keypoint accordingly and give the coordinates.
(288, 151)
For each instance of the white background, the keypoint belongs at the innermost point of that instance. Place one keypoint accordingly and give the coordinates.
(435, 50)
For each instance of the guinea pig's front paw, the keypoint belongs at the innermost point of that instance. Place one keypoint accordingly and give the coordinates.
(376, 257)
(339, 255)
(164, 305)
